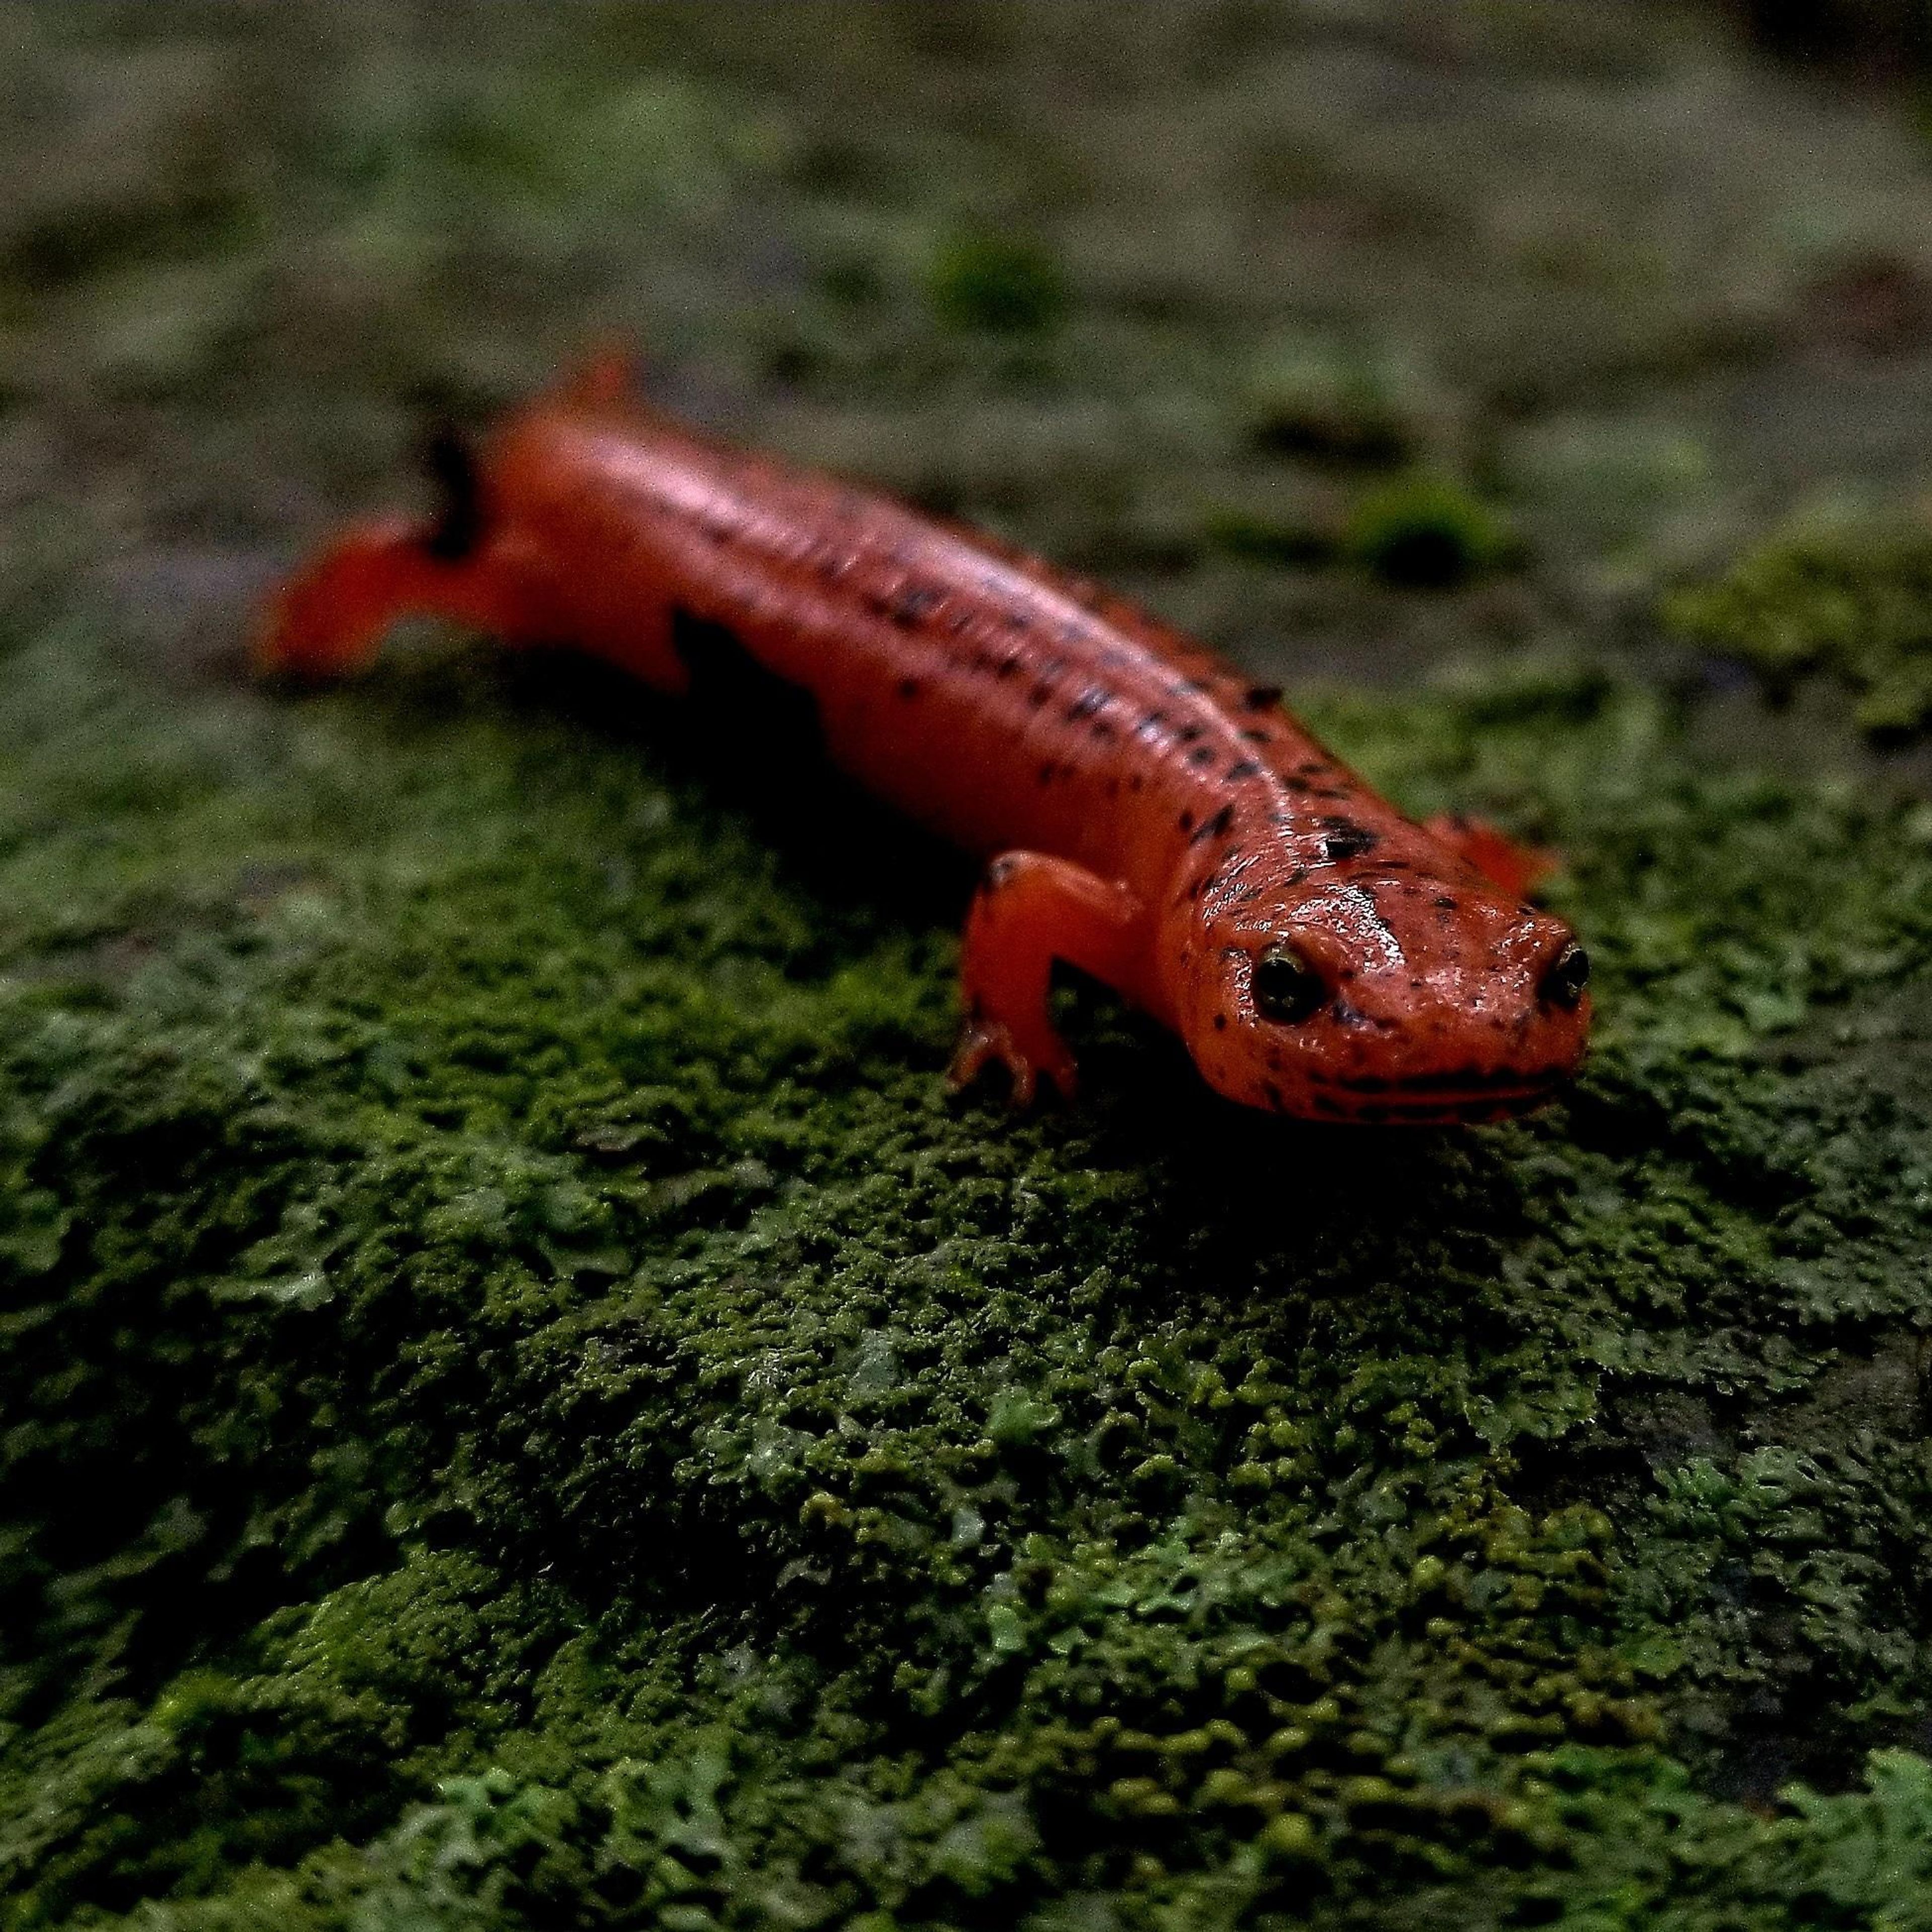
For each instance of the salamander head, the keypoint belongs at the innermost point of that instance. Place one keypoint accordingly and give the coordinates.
(1396, 997)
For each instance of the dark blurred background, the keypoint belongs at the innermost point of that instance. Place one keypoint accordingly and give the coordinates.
(1277, 314)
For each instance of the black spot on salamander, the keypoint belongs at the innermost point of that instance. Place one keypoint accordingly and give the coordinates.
(909, 687)
(1346, 841)
(1261, 696)
(1187, 734)
(1214, 827)
(1016, 620)
(908, 607)
(1186, 821)
(1275, 1098)
(1008, 668)
(1220, 1022)
(451, 459)
(1444, 903)
(1053, 667)
(1102, 730)
(1094, 698)
(1243, 768)
(1136, 782)
(1201, 755)
(1254, 737)
(1039, 693)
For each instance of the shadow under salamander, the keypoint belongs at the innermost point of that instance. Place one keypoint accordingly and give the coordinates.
(1243, 1182)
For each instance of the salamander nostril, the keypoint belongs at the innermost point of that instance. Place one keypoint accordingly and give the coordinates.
(1569, 974)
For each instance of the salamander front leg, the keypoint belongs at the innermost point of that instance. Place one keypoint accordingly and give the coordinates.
(1517, 868)
(1030, 910)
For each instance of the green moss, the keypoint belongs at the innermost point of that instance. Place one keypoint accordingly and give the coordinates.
(491, 1246)
(1853, 604)
(1007, 284)
(1306, 395)
(1424, 532)
(1268, 534)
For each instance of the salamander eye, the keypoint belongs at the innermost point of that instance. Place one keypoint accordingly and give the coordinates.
(1568, 975)
(1287, 989)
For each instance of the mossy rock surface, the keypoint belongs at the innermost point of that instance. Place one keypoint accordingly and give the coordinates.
(527, 1403)
(1853, 604)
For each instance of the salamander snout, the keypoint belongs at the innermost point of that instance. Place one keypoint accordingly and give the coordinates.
(1384, 1001)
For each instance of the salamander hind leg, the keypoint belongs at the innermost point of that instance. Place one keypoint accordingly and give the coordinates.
(329, 618)
(1029, 910)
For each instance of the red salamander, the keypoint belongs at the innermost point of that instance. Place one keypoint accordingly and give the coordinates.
(1151, 816)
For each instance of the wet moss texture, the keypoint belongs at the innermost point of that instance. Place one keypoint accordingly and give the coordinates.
(525, 1402)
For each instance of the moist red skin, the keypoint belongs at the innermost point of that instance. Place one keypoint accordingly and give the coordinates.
(1151, 816)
